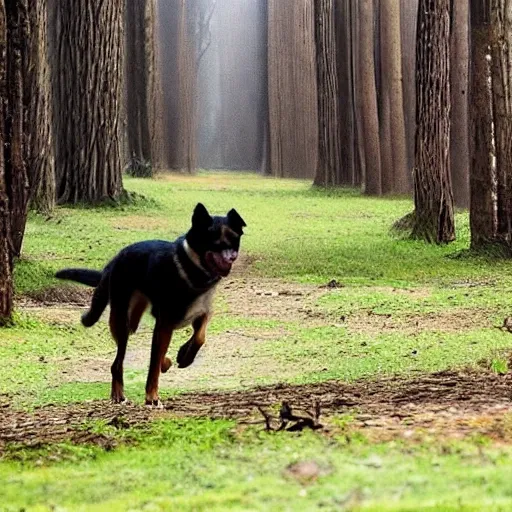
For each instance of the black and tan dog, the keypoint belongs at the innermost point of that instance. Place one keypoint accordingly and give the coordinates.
(177, 278)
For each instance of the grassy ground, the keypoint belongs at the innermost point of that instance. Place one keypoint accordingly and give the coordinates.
(397, 307)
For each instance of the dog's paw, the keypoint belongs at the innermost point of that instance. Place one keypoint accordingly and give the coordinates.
(166, 364)
(187, 353)
(119, 400)
(154, 404)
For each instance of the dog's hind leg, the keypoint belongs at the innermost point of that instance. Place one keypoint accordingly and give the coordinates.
(138, 305)
(120, 331)
(188, 351)
(161, 338)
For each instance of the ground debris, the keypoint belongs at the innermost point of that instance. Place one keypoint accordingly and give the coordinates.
(290, 421)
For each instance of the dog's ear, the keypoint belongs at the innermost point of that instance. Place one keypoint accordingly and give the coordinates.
(201, 218)
(235, 221)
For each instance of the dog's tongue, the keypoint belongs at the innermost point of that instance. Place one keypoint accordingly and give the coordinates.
(223, 260)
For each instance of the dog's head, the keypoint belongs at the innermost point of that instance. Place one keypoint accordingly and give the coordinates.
(215, 240)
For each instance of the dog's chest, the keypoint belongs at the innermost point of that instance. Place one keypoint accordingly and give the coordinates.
(200, 306)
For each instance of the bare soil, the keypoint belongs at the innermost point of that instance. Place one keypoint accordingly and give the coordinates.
(451, 404)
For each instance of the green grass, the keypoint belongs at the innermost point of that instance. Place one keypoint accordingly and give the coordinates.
(205, 465)
(298, 234)
(294, 232)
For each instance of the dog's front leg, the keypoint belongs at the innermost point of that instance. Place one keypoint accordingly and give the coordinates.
(189, 350)
(161, 338)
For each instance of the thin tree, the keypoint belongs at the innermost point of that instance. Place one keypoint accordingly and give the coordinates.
(372, 182)
(346, 110)
(139, 57)
(13, 177)
(433, 200)
(6, 285)
(391, 117)
(87, 71)
(40, 156)
(15, 152)
(501, 72)
(482, 175)
(408, 25)
(459, 91)
(328, 171)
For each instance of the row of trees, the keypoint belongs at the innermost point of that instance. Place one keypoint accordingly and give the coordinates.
(370, 94)
(68, 120)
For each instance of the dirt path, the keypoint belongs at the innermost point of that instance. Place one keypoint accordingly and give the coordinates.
(451, 404)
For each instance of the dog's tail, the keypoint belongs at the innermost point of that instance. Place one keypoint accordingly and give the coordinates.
(80, 275)
(99, 301)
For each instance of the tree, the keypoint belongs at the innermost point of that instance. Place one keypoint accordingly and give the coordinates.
(16, 173)
(139, 83)
(459, 90)
(328, 169)
(372, 182)
(6, 286)
(491, 153)
(39, 148)
(433, 200)
(408, 25)
(13, 175)
(346, 111)
(392, 123)
(88, 79)
(501, 74)
(292, 88)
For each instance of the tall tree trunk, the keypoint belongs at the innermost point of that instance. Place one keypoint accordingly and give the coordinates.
(88, 79)
(408, 25)
(328, 170)
(482, 177)
(187, 67)
(39, 143)
(6, 285)
(372, 181)
(140, 80)
(459, 83)
(434, 221)
(392, 123)
(344, 50)
(17, 182)
(359, 156)
(501, 52)
(292, 87)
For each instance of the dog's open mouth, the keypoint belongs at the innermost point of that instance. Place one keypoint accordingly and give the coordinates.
(221, 262)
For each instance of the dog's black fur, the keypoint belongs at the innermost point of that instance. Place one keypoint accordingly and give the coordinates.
(178, 280)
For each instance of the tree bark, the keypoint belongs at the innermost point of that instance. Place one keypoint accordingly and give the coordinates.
(328, 169)
(40, 156)
(344, 51)
(6, 285)
(372, 181)
(501, 73)
(434, 220)
(459, 83)
(17, 52)
(408, 25)
(88, 80)
(292, 87)
(392, 122)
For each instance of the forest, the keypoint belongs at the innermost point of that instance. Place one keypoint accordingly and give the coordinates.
(338, 334)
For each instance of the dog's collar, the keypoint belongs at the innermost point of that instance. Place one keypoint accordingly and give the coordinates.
(194, 257)
(191, 270)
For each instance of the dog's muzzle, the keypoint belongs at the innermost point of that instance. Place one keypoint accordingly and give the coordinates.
(221, 262)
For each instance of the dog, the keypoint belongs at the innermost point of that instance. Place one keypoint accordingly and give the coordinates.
(178, 279)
